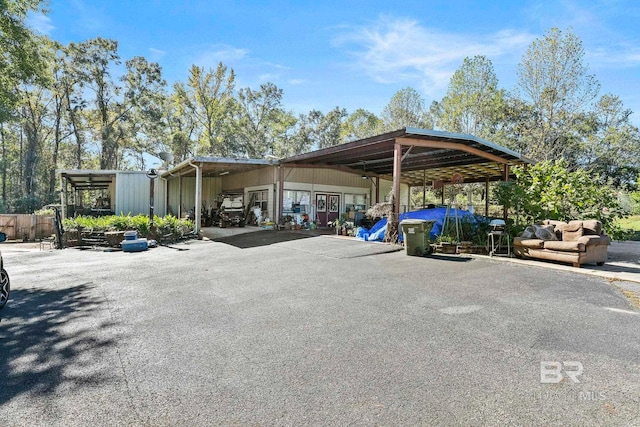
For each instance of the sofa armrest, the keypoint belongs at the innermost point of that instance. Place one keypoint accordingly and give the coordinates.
(591, 240)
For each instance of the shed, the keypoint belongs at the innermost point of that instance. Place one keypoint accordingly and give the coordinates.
(120, 192)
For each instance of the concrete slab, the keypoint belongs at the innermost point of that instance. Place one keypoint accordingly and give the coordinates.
(623, 263)
(287, 333)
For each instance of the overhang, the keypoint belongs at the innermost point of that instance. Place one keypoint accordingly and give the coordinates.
(88, 179)
(216, 166)
(427, 155)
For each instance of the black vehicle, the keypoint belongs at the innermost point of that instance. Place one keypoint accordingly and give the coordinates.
(5, 286)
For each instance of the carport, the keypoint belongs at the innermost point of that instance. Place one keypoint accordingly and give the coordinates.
(208, 167)
(416, 157)
(411, 156)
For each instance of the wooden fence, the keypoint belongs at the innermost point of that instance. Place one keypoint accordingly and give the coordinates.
(27, 227)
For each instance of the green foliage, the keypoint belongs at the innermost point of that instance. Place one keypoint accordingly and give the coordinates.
(360, 124)
(26, 204)
(556, 90)
(474, 229)
(22, 59)
(473, 103)
(549, 190)
(172, 226)
(406, 109)
(168, 227)
(635, 200)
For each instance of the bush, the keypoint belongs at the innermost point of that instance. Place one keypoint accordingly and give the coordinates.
(169, 227)
(549, 190)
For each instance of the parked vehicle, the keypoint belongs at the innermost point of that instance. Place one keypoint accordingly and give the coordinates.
(5, 285)
(230, 211)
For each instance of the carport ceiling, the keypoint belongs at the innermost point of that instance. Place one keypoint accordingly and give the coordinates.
(88, 180)
(217, 166)
(426, 155)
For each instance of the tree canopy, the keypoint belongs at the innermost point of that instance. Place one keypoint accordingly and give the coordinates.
(83, 106)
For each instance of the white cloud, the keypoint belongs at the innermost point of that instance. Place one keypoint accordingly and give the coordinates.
(401, 50)
(40, 23)
(156, 54)
(278, 66)
(220, 53)
(612, 57)
(297, 82)
(268, 77)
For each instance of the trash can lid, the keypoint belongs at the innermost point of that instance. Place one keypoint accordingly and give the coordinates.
(413, 221)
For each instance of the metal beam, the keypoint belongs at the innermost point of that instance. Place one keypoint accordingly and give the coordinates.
(397, 172)
(451, 146)
(280, 193)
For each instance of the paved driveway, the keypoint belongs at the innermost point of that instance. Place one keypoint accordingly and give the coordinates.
(289, 329)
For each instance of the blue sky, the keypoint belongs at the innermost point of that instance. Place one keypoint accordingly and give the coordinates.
(354, 54)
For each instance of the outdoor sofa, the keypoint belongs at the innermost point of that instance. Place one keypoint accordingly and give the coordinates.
(576, 242)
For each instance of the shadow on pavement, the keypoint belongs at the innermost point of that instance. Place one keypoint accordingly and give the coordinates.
(38, 343)
(264, 238)
(454, 258)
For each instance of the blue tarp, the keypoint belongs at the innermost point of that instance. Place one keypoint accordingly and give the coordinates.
(376, 233)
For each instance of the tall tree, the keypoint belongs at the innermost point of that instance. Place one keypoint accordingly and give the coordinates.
(553, 81)
(406, 109)
(360, 124)
(93, 61)
(208, 97)
(328, 127)
(612, 148)
(21, 58)
(298, 139)
(262, 124)
(144, 95)
(473, 103)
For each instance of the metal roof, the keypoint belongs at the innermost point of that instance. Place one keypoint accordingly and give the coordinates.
(426, 155)
(89, 179)
(216, 166)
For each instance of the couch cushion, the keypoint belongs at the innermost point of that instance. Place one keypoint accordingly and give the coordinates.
(545, 232)
(528, 243)
(572, 231)
(528, 233)
(573, 246)
(592, 227)
(557, 226)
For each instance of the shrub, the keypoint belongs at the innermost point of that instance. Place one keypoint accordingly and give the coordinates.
(168, 227)
(549, 190)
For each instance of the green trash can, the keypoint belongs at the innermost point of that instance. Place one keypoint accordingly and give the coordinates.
(415, 233)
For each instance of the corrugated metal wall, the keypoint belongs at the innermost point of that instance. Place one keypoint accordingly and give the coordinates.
(253, 178)
(307, 179)
(211, 187)
(385, 189)
(132, 194)
(324, 176)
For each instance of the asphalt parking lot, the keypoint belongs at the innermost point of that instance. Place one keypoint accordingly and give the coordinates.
(278, 328)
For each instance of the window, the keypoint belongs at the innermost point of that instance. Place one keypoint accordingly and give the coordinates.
(260, 199)
(355, 202)
(296, 201)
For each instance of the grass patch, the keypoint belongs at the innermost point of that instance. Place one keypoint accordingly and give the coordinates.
(630, 227)
(630, 222)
